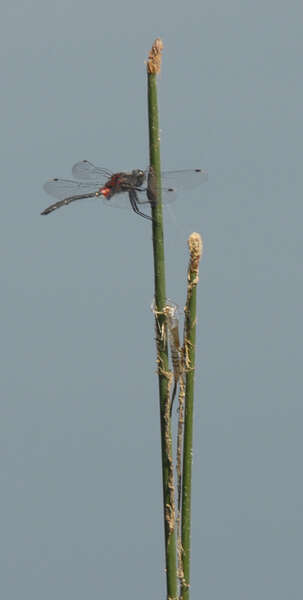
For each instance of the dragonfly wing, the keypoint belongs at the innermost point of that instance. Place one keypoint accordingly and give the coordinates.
(121, 200)
(85, 170)
(174, 182)
(64, 188)
(169, 195)
(118, 200)
(186, 179)
(142, 197)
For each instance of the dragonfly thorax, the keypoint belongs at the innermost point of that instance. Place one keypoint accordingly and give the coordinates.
(138, 177)
(123, 182)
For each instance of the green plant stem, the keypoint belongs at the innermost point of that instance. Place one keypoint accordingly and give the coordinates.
(161, 338)
(189, 361)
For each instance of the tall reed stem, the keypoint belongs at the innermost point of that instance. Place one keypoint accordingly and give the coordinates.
(164, 374)
(195, 249)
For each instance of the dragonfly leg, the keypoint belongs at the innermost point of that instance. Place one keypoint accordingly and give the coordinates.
(133, 201)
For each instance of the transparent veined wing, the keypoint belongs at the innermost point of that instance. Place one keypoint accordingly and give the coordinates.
(86, 171)
(174, 182)
(64, 188)
(186, 179)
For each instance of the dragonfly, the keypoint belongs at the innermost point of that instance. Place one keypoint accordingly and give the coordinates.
(131, 188)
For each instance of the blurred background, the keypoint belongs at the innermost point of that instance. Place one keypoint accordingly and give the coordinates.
(80, 470)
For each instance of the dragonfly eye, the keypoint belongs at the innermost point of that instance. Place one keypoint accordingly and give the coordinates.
(138, 173)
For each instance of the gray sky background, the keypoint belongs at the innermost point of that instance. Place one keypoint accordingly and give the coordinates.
(80, 470)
